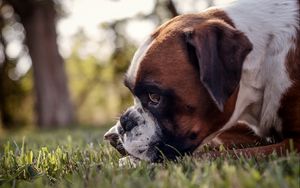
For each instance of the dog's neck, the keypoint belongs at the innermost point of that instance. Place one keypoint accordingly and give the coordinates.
(271, 26)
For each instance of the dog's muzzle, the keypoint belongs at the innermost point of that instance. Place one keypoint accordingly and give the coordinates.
(136, 134)
(116, 133)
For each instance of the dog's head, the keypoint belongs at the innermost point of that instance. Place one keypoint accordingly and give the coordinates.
(185, 80)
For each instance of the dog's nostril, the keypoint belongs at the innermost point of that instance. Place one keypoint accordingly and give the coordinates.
(127, 123)
(123, 120)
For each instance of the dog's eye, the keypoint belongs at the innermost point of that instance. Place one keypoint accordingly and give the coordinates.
(154, 98)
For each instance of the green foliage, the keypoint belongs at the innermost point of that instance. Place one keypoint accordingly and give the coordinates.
(78, 158)
(97, 85)
(17, 99)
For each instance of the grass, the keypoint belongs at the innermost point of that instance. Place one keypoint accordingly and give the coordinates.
(79, 158)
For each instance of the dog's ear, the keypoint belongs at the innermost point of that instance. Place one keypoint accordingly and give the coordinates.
(220, 51)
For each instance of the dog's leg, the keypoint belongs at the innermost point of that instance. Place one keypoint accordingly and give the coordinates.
(280, 149)
(239, 136)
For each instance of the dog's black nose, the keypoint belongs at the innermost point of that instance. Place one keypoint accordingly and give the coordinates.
(127, 123)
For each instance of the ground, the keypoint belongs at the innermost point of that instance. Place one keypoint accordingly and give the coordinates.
(80, 158)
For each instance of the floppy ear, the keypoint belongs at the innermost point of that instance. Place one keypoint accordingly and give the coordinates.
(220, 51)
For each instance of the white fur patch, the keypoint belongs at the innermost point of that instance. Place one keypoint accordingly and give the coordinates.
(136, 60)
(271, 26)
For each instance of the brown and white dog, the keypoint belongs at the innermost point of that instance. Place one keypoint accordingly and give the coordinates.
(199, 75)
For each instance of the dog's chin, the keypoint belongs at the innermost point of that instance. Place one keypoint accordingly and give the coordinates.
(155, 153)
(150, 155)
(150, 152)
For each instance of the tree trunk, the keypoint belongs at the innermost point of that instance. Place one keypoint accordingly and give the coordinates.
(172, 9)
(3, 113)
(5, 116)
(53, 105)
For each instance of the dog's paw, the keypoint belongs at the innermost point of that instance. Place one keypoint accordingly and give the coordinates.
(129, 161)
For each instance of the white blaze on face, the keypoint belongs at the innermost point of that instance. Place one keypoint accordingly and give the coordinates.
(137, 59)
(140, 140)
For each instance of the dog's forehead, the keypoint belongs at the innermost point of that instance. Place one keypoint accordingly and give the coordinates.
(168, 30)
(152, 64)
(132, 71)
(166, 43)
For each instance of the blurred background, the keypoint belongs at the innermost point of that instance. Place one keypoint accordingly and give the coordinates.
(62, 61)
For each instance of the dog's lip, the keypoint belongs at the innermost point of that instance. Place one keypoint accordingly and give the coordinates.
(114, 137)
(111, 136)
(116, 142)
(119, 147)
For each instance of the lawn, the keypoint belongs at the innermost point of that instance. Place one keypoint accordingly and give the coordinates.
(80, 158)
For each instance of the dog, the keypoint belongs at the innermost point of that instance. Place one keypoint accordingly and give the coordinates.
(200, 75)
